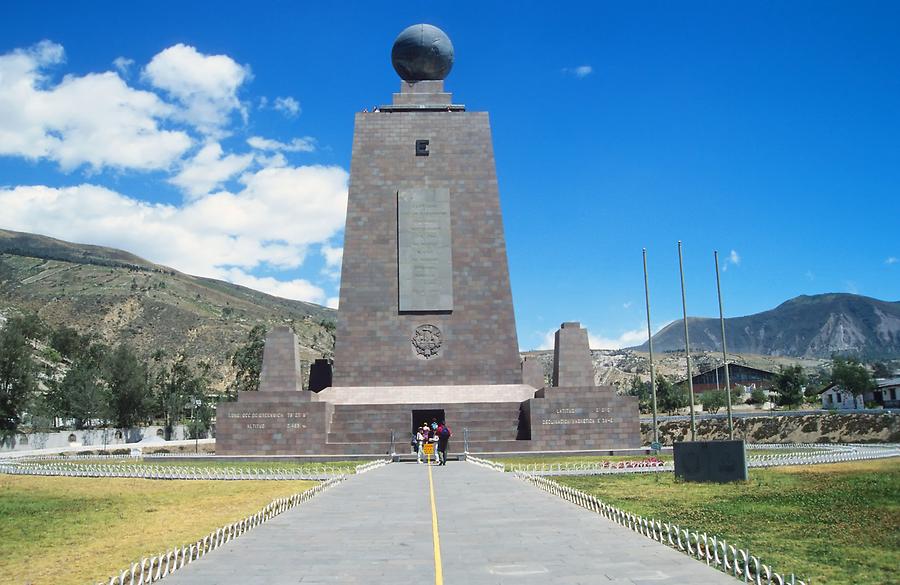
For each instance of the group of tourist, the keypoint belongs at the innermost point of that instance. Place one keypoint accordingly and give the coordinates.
(437, 434)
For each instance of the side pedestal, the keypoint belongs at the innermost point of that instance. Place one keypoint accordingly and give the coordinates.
(272, 423)
(582, 418)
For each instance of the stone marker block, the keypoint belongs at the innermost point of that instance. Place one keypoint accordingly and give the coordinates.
(533, 373)
(572, 364)
(281, 363)
(710, 461)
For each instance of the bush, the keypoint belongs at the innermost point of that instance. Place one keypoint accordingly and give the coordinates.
(758, 397)
(713, 400)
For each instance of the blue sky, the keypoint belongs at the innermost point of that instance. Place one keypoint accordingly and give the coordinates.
(215, 137)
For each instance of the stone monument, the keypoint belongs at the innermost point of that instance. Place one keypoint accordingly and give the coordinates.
(426, 326)
(425, 296)
(572, 365)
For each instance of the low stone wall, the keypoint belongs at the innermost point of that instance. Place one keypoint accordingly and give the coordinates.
(100, 438)
(812, 428)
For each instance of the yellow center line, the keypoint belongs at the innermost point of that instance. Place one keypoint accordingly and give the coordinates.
(438, 568)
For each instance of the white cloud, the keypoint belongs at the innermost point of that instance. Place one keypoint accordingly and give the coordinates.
(287, 106)
(891, 260)
(732, 258)
(297, 289)
(305, 144)
(205, 85)
(123, 65)
(332, 302)
(334, 257)
(94, 120)
(627, 304)
(272, 220)
(580, 72)
(626, 339)
(209, 169)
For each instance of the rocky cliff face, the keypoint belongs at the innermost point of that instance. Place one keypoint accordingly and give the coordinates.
(805, 326)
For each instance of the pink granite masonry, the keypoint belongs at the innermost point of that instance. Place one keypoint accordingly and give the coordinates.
(373, 344)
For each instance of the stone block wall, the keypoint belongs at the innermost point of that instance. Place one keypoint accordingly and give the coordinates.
(272, 423)
(587, 417)
(572, 364)
(478, 343)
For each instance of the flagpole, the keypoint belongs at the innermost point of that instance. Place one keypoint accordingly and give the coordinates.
(687, 345)
(650, 342)
(724, 348)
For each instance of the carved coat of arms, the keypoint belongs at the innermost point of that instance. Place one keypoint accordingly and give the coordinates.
(427, 341)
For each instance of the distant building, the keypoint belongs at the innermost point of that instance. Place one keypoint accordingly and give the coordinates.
(739, 375)
(886, 393)
(836, 398)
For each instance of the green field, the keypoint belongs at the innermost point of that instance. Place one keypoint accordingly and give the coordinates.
(62, 530)
(827, 523)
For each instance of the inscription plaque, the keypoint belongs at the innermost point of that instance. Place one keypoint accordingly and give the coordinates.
(424, 262)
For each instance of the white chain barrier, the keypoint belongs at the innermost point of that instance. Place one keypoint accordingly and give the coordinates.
(143, 471)
(714, 551)
(371, 465)
(152, 569)
(798, 454)
(485, 463)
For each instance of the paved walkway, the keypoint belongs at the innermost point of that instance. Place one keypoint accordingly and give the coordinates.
(493, 529)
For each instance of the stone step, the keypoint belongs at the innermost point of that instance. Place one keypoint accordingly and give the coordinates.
(455, 447)
(478, 435)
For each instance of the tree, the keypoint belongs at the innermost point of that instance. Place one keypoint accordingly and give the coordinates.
(713, 400)
(758, 396)
(881, 370)
(67, 341)
(82, 395)
(29, 325)
(127, 381)
(176, 388)
(643, 393)
(852, 376)
(247, 363)
(788, 385)
(670, 397)
(18, 381)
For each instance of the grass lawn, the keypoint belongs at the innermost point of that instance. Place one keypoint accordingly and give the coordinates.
(829, 524)
(82, 530)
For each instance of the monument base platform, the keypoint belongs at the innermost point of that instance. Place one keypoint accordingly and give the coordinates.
(422, 394)
(281, 423)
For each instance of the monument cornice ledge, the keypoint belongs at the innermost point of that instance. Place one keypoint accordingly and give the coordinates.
(426, 394)
(423, 108)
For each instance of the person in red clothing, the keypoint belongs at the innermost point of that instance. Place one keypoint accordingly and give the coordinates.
(443, 434)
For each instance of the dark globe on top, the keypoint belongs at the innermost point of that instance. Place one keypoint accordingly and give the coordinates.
(422, 52)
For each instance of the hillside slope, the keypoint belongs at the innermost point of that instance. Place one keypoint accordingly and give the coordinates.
(805, 326)
(121, 297)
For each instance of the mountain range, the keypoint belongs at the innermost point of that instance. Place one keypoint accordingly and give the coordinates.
(815, 326)
(119, 297)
